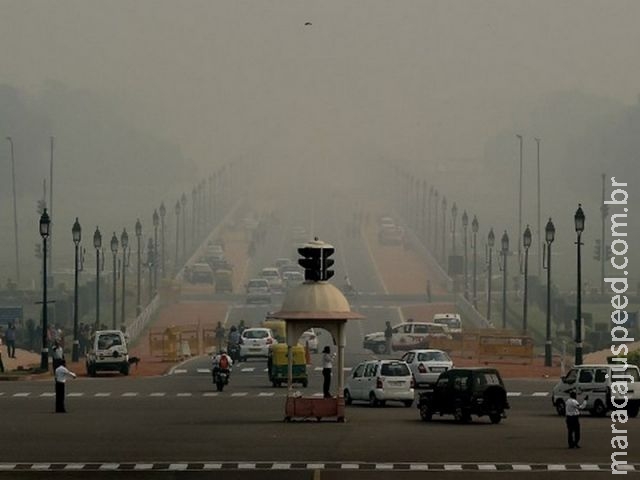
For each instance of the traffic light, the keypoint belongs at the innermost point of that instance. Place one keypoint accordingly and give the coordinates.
(311, 262)
(327, 262)
(596, 250)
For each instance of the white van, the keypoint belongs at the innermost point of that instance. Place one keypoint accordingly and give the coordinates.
(451, 320)
(108, 352)
(595, 381)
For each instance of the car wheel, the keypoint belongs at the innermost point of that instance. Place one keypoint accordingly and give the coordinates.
(408, 403)
(347, 397)
(560, 408)
(380, 348)
(425, 412)
(373, 401)
(495, 418)
(125, 369)
(599, 410)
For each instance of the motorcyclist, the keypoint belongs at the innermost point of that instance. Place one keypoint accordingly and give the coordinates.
(219, 362)
(233, 342)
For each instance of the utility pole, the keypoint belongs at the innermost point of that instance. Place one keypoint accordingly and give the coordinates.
(15, 211)
(539, 245)
(604, 209)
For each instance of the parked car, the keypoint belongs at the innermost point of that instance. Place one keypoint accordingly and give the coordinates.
(272, 275)
(595, 381)
(427, 365)
(379, 381)
(258, 291)
(463, 392)
(108, 352)
(200, 273)
(310, 337)
(406, 336)
(255, 342)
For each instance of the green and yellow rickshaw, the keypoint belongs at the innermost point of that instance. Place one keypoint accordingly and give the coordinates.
(278, 365)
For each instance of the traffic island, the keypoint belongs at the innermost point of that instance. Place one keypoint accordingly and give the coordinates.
(303, 408)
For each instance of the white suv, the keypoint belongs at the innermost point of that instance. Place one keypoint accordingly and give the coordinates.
(108, 353)
(379, 381)
(255, 342)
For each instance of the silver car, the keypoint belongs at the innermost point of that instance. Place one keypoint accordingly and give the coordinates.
(427, 364)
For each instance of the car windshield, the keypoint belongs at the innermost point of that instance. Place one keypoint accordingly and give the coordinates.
(255, 334)
(108, 341)
(433, 357)
(452, 323)
(394, 370)
(270, 273)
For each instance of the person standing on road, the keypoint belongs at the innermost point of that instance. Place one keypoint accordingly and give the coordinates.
(10, 336)
(57, 355)
(572, 413)
(61, 375)
(327, 367)
(388, 335)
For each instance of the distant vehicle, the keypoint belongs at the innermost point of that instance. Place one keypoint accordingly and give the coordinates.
(224, 281)
(291, 279)
(310, 337)
(386, 222)
(379, 381)
(463, 392)
(291, 267)
(272, 275)
(427, 365)
(281, 262)
(391, 235)
(108, 352)
(255, 342)
(406, 336)
(451, 320)
(258, 291)
(200, 273)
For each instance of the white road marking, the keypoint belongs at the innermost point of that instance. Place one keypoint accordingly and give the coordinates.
(589, 466)
(315, 466)
(266, 394)
(540, 394)
(204, 370)
(74, 466)
(210, 394)
(157, 394)
(239, 394)
(103, 394)
(109, 466)
(75, 394)
(487, 467)
(130, 394)
(180, 370)
(452, 467)
(247, 466)
(183, 394)
(281, 466)
(350, 466)
(47, 394)
(178, 466)
(556, 468)
(514, 394)
(143, 466)
(22, 394)
(212, 466)
(248, 369)
(384, 466)
(520, 467)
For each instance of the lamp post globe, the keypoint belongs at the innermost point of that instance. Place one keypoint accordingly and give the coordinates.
(76, 235)
(579, 224)
(549, 236)
(114, 251)
(97, 244)
(505, 250)
(45, 226)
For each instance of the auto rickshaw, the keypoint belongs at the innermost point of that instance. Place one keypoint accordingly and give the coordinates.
(223, 279)
(278, 365)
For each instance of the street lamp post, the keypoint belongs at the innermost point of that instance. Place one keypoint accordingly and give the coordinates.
(150, 262)
(114, 251)
(520, 200)
(549, 236)
(475, 226)
(193, 219)
(444, 231)
(76, 234)
(491, 241)
(526, 243)
(163, 212)
(465, 224)
(454, 215)
(184, 227)
(124, 241)
(429, 226)
(177, 210)
(505, 252)
(97, 244)
(45, 223)
(435, 230)
(579, 224)
(138, 237)
(156, 222)
(15, 211)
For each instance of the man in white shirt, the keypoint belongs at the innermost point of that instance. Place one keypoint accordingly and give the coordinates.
(572, 413)
(61, 374)
(327, 367)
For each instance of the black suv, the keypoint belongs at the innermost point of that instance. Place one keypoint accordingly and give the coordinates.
(463, 392)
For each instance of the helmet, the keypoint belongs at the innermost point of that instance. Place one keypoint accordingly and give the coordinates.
(223, 351)
(233, 328)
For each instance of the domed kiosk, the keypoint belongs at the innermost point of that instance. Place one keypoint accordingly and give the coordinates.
(321, 305)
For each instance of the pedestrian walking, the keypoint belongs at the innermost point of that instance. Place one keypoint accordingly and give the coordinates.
(10, 337)
(572, 413)
(61, 374)
(388, 336)
(57, 355)
(327, 367)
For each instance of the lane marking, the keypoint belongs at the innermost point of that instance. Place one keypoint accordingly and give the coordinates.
(204, 370)
(184, 394)
(22, 394)
(540, 394)
(157, 394)
(103, 394)
(179, 370)
(130, 394)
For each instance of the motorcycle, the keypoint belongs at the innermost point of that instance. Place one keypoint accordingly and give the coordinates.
(220, 378)
(234, 352)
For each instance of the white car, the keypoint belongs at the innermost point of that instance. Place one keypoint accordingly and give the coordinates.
(309, 337)
(291, 279)
(258, 291)
(255, 342)
(427, 365)
(108, 352)
(380, 381)
(272, 275)
(451, 320)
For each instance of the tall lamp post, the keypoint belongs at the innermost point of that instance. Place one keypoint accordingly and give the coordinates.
(163, 212)
(444, 231)
(475, 226)
(45, 224)
(454, 215)
(505, 252)
(435, 222)
(156, 223)
(549, 236)
(491, 241)
(520, 199)
(465, 224)
(579, 224)
(114, 251)
(15, 211)
(150, 261)
(177, 210)
(76, 234)
(124, 241)
(526, 243)
(183, 201)
(138, 238)
(97, 244)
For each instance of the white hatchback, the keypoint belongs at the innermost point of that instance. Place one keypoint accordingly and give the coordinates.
(255, 342)
(379, 381)
(427, 365)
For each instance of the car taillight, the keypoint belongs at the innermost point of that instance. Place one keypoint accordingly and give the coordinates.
(269, 341)
(421, 368)
(379, 383)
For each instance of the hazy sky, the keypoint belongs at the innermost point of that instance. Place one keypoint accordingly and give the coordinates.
(238, 77)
